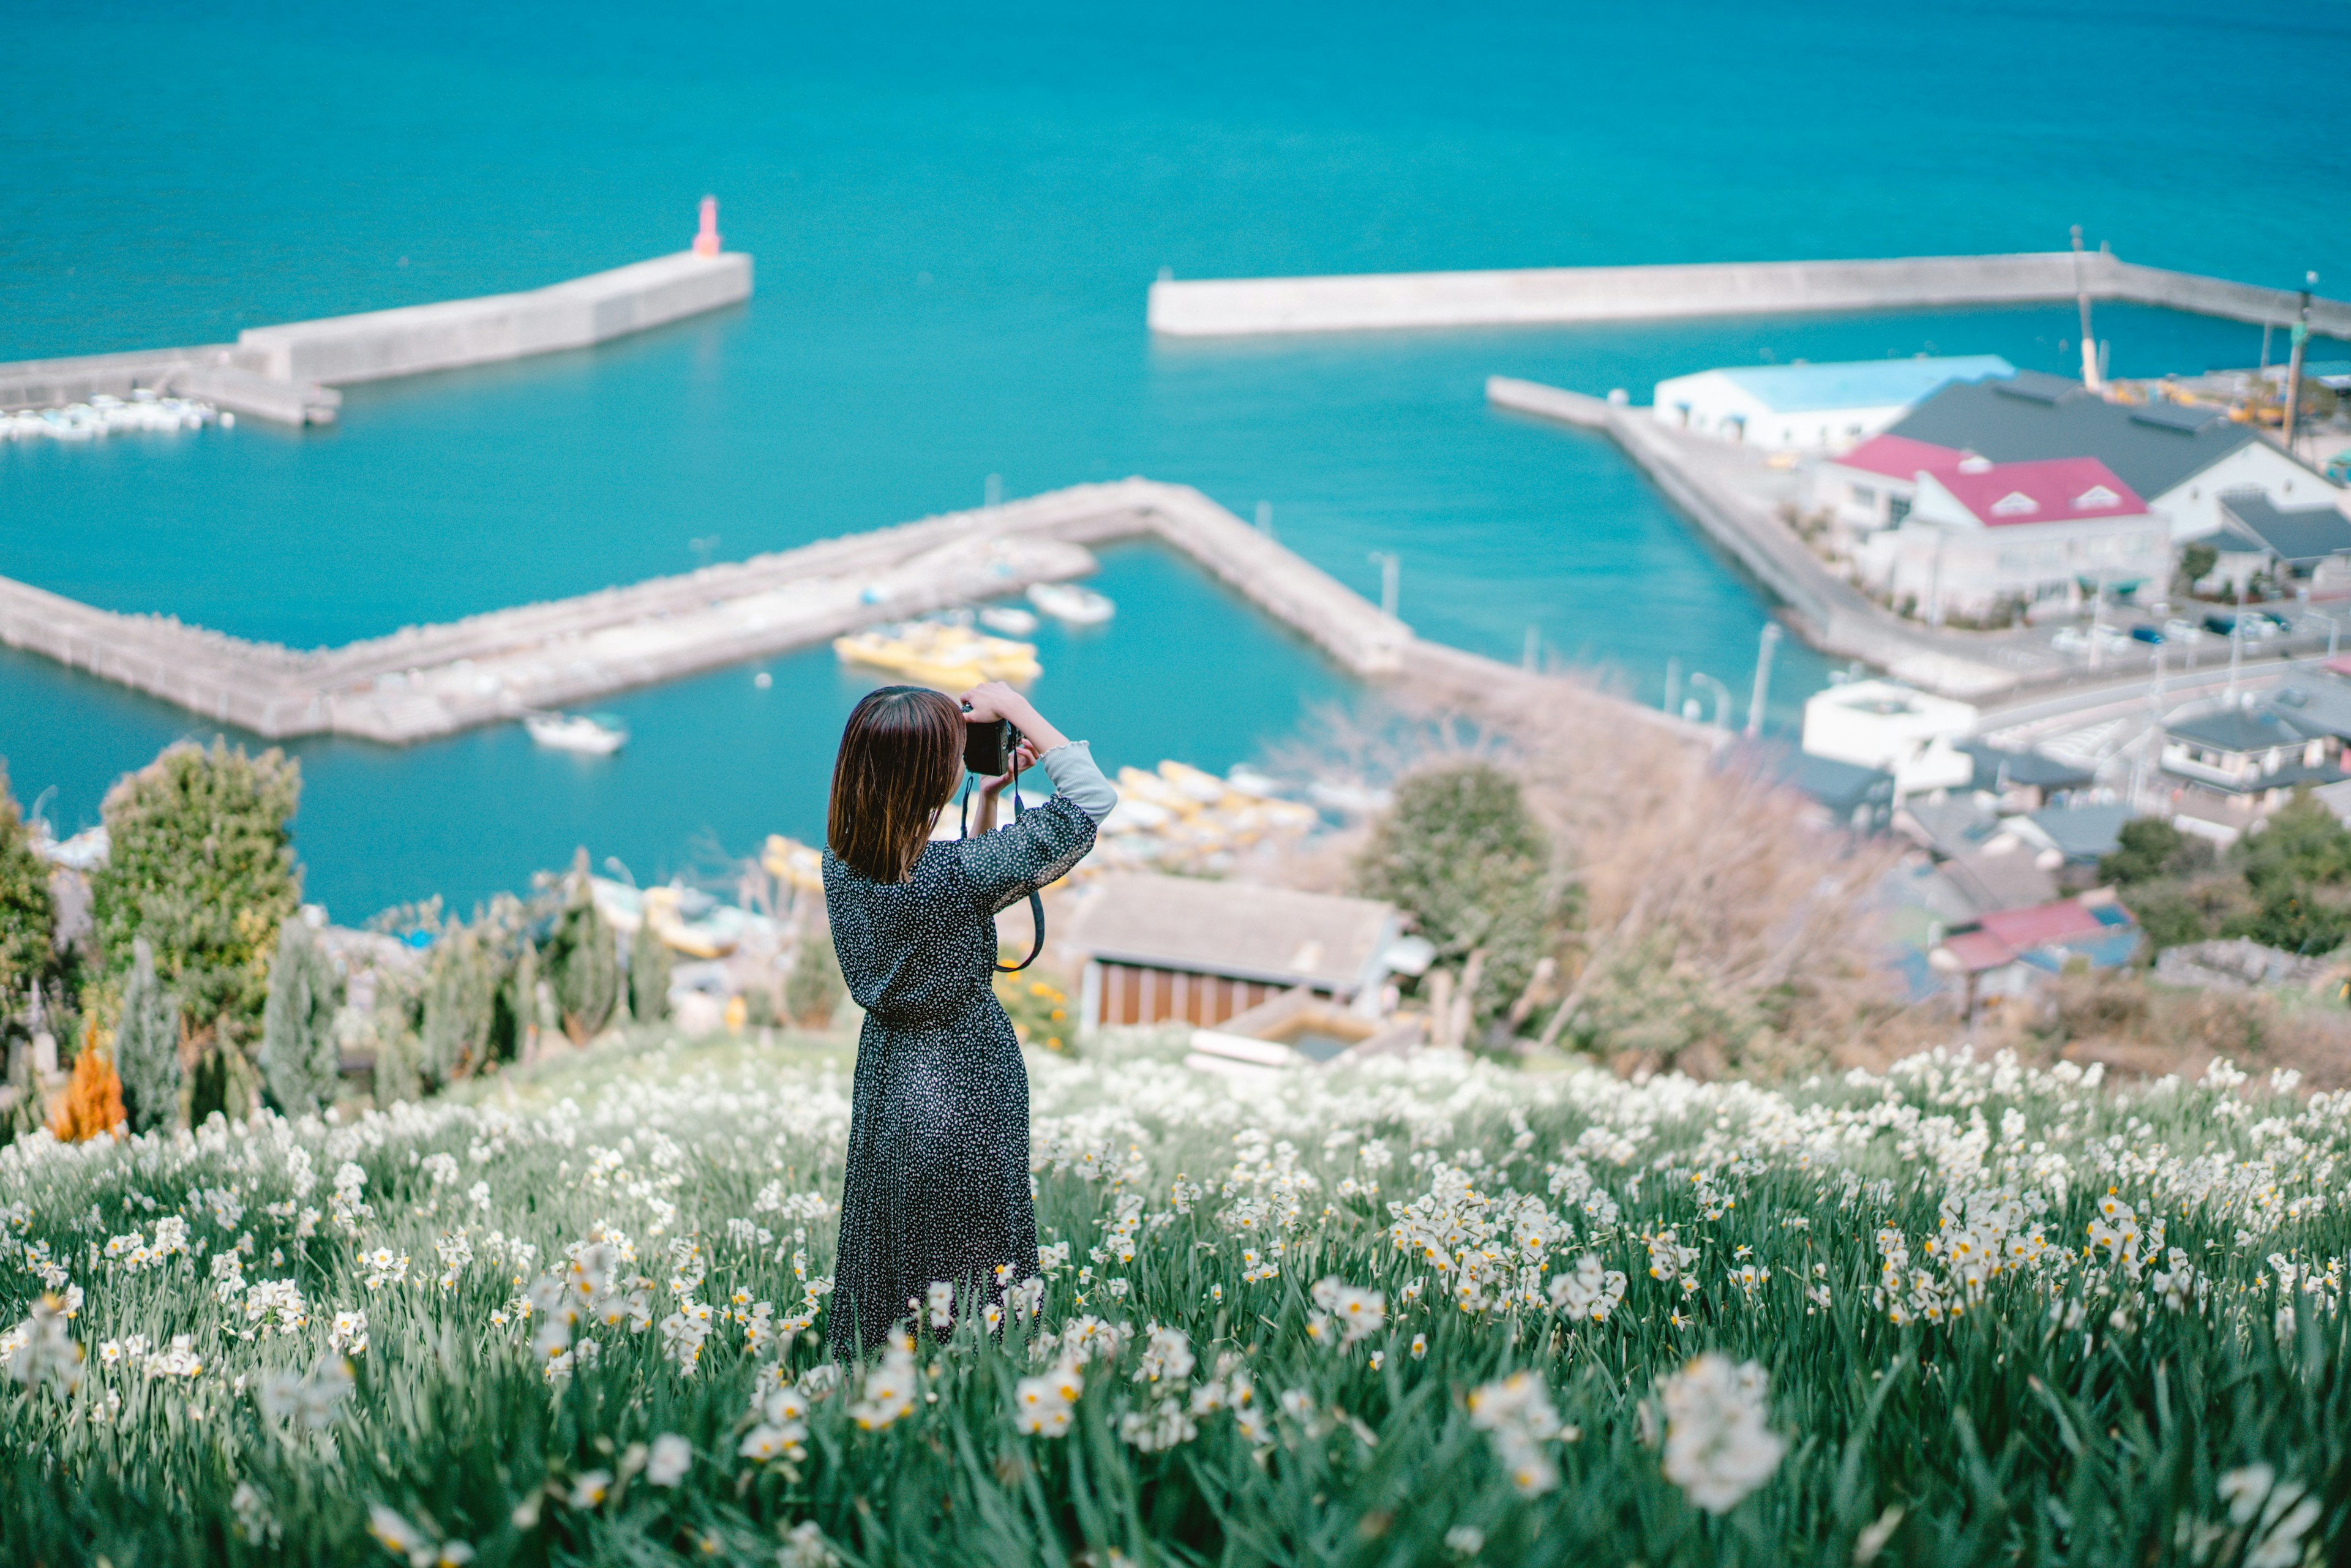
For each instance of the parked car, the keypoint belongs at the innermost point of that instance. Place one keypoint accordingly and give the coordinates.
(2183, 631)
(2146, 635)
(2069, 639)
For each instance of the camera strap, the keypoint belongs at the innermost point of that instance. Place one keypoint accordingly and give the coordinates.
(1036, 904)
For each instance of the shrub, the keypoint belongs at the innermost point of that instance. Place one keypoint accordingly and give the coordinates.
(460, 1006)
(28, 954)
(202, 868)
(91, 1105)
(300, 1062)
(813, 989)
(1461, 854)
(2146, 848)
(147, 1045)
(649, 971)
(2291, 919)
(583, 964)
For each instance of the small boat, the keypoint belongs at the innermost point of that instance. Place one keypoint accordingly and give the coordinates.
(951, 658)
(1008, 619)
(592, 734)
(1068, 602)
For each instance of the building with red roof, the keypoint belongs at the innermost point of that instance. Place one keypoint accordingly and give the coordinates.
(1972, 539)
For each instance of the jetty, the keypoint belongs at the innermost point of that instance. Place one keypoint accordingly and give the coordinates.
(288, 373)
(427, 681)
(1697, 475)
(1567, 295)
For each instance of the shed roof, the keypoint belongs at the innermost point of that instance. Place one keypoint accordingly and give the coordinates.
(2151, 458)
(2301, 537)
(2084, 833)
(1996, 769)
(2237, 728)
(1236, 929)
(2067, 920)
(1860, 383)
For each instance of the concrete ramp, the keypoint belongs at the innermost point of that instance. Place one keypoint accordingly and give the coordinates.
(412, 339)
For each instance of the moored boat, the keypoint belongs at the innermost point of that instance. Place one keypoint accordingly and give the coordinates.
(592, 734)
(1066, 601)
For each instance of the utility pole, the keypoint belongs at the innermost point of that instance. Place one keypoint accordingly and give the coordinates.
(2090, 377)
(1387, 562)
(1674, 686)
(1768, 640)
(2294, 361)
(2236, 641)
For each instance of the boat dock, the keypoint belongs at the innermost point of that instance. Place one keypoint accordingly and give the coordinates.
(1565, 294)
(289, 373)
(429, 681)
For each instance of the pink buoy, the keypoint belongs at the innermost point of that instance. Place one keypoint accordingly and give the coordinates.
(706, 243)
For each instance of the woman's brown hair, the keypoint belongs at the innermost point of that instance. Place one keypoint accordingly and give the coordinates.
(900, 758)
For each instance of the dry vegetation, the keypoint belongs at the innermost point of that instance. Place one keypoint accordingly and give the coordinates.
(1718, 925)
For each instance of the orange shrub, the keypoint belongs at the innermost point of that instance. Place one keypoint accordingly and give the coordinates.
(92, 1106)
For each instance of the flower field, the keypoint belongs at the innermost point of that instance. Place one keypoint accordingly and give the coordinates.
(1431, 1312)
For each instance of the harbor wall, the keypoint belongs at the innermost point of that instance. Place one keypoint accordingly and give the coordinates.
(289, 373)
(1237, 306)
(378, 344)
(427, 681)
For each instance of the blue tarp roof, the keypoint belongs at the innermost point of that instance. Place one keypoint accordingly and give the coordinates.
(1862, 383)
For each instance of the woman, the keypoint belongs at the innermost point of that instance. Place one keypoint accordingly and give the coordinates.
(937, 1186)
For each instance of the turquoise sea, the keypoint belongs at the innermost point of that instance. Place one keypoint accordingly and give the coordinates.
(956, 213)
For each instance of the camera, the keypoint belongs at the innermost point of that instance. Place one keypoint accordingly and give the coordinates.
(988, 745)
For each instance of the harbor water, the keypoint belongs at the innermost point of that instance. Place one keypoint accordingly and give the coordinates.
(955, 217)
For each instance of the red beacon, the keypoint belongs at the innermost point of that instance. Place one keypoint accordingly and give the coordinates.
(706, 242)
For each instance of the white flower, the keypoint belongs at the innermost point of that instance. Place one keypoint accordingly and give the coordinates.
(1042, 1407)
(1163, 1427)
(350, 1333)
(589, 1490)
(806, 1547)
(1517, 1414)
(888, 1390)
(1167, 1355)
(673, 1455)
(774, 1441)
(1359, 1313)
(1718, 1449)
(44, 1355)
(1590, 1293)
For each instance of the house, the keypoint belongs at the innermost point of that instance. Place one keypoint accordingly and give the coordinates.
(1846, 794)
(1981, 536)
(1164, 947)
(2008, 953)
(1875, 485)
(1810, 407)
(1984, 858)
(2181, 459)
(2024, 780)
(2309, 543)
(2085, 832)
(2244, 758)
(1884, 725)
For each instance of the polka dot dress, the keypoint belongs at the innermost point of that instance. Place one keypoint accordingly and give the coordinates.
(937, 1186)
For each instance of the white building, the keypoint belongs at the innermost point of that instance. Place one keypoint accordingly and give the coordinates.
(2182, 460)
(1979, 535)
(1885, 726)
(1810, 407)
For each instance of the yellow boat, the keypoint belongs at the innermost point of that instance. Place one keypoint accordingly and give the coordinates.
(951, 658)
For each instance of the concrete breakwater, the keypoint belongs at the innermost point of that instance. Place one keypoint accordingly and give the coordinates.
(289, 373)
(1237, 306)
(1825, 609)
(429, 681)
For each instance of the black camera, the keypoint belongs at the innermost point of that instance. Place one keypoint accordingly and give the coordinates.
(988, 745)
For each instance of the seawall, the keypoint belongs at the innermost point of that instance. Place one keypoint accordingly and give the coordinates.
(289, 373)
(1824, 608)
(430, 681)
(1241, 307)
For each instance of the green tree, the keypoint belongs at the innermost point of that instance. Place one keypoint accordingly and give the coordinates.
(2196, 562)
(28, 954)
(2169, 918)
(461, 992)
(648, 970)
(201, 867)
(583, 957)
(1461, 854)
(2145, 849)
(147, 1045)
(2291, 920)
(2303, 843)
(300, 1062)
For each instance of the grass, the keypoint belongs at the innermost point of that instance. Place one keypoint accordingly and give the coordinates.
(1969, 1343)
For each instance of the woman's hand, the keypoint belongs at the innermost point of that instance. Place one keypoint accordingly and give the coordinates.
(1024, 757)
(994, 700)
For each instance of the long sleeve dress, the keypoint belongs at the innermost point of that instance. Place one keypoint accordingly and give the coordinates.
(937, 1184)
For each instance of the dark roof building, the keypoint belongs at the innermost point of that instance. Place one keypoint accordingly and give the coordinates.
(2182, 458)
(2300, 538)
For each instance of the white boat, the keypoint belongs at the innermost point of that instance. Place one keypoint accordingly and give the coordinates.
(594, 736)
(1008, 619)
(1068, 602)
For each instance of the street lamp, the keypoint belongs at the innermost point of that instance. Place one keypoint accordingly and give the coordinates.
(1386, 560)
(1721, 698)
